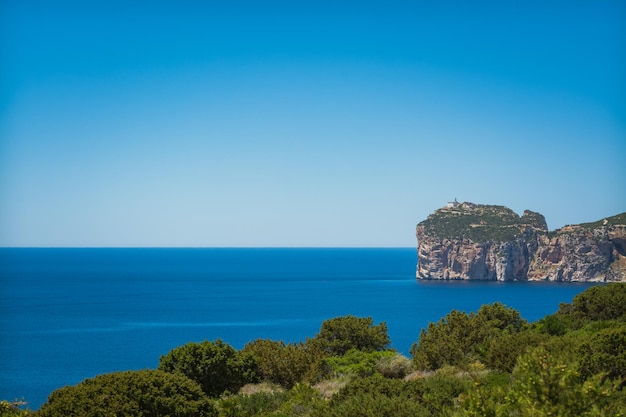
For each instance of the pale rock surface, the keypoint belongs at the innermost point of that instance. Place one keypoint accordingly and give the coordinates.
(466, 241)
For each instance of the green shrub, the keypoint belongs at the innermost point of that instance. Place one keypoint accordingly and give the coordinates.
(460, 338)
(254, 405)
(13, 409)
(375, 405)
(338, 335)
(303, 400)
(604, 353)
(356, 362)
(215, 366)
(504, 349)
(130, 394)
(440, 392)
(284, 364)
(601, 302)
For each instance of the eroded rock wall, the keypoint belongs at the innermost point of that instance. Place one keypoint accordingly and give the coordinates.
(573, 253)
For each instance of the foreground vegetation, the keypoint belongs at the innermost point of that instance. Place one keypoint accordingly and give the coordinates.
(487, 363)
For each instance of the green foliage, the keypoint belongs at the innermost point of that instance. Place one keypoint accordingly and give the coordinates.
(375, 405)
(550, 384)
(356, 362)
(377, 384)
(503, 350)
(215, 366)
(601, 302)
(544, 384)
(604, 353)
(441, 392)
(555, 324)
(255, 405)
(284, 364)
(460, 338)
(303, 400)
(131, 393)
(377, 395)
(13, 409)
(479, 223)
(619, 219)
(337, 336)
(444, 342)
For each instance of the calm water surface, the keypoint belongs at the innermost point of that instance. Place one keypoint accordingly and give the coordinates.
(70, 314)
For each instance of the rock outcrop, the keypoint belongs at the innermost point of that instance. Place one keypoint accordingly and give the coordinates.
(483, 242)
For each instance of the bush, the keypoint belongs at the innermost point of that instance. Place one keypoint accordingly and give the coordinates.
(303, 400)
(503, 350)
(254, 405)
(12, 409)
(394, 366)
(216, 366)
(337, 336)
(130, 394)
(375, 405)
(460, 338)
(602, 302)
(379, 385)
(604, 352)
(283, 364)
(356, 362)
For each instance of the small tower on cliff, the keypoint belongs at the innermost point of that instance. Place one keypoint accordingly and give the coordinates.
(452, 204)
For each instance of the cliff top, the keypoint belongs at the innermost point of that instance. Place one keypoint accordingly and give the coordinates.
(617, 220)
(480, 222)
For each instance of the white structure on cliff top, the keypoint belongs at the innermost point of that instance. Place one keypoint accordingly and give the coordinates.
(452, 204)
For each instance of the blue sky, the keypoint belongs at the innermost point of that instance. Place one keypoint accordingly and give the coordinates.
(303, 123)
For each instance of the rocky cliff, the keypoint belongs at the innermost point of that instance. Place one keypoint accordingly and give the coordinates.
(484, 242)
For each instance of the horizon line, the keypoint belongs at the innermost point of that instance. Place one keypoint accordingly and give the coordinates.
(206, 247)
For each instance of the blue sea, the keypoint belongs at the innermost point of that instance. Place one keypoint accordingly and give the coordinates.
(70, 314)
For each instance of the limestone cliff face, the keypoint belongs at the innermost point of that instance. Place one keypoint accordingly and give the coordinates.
(480, 242)
(575, 253)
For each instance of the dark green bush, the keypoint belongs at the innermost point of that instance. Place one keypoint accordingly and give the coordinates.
(601, 302)
(284, 364)
(460, 338)
(503, 350)
(356, 362)
(215, 366)
(337, 336)
(255, 405)
(148, 393)
(605, 353)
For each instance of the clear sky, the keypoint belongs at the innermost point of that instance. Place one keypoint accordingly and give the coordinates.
(296, 123)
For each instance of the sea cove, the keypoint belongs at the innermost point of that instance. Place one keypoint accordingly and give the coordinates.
(69, 314)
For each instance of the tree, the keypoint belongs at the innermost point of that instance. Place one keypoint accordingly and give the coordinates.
(460, 338)
(550, 384)
(338, 335)
(601, 302)
(284, 364)
(503, 350)
(148, 393)
(605, 352)
(215, 366)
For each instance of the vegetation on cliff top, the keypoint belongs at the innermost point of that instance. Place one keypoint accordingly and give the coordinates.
(618, 219)
(488, 363)
(480, 223)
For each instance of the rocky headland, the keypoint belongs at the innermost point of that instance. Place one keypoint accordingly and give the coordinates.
(467, 241)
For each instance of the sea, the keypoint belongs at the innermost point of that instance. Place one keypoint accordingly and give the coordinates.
(67, 314)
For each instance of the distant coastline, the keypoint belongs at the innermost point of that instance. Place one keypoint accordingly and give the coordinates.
(467, 241)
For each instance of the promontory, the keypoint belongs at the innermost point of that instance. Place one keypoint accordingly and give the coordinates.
(467, 241)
